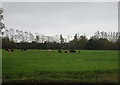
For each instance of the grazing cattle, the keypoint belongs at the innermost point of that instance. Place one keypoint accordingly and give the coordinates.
(59, 51)
(72, 51)
(7, 50)
(12, 50)
(25, 49)
(66, 51)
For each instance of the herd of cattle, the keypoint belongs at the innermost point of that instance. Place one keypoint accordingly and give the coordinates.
(9, 50)
(69, 51)
(12, 50)
(59, 51)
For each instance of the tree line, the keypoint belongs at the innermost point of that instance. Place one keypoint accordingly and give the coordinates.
(79, 42)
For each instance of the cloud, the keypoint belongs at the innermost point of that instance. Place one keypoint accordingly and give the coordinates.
(52, 18)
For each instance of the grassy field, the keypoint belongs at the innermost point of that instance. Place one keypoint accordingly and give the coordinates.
(44, 66)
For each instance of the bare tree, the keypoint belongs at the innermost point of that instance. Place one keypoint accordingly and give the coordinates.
(1, 23)
(26, 36)
(11, 34)
(61, 39)
(31, 37)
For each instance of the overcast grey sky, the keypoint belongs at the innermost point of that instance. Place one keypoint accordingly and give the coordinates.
(67, 18)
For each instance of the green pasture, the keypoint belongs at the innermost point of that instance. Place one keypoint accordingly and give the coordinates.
(44, 66)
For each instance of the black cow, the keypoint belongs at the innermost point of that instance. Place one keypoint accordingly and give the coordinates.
(7, 50)
(72, 51)
(25, 49)
(66, 51)
(59, 51)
